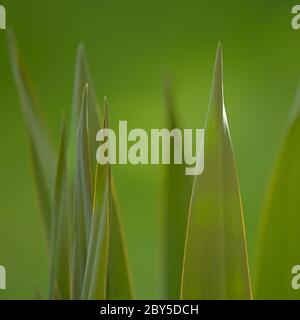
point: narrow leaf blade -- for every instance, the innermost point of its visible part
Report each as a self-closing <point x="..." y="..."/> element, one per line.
<point x="82" y="200"/>
<point x="83" y="78"/>
<point x="107" y="265"/>
<point x="95" y="279"/>
<point x="119" y="285"/>
<point x="60" y="249"/>
<point x="43" y="156"/>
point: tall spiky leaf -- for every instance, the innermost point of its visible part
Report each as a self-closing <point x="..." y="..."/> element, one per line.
<point x="118" y="284"/>
<point x="60" y="244"/>
<point x="215" y="262"/>
<point x="82" y="199"/>
<point x="83" y="77"/>
<point x="95" y="279"/>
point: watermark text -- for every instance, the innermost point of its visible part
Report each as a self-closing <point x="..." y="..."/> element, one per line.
<point x="2" y="278"/>
<point x="161" y="146"/>
<point x="2" y="18"/>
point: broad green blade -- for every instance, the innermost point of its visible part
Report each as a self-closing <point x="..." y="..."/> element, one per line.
<point x="60" y="249"/>
<point x="177" y="193"/>
<point x="215" y="262"/>
<point x="82" y="199"/>
<point x="119" y="282"/>
<point x="278" y="249"/>
<point x="83" y="77"/>
<point x="42" y="153"/>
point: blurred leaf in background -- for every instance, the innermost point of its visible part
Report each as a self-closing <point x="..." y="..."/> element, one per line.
<point x="60" y="260"/>
<point x="43" y="156"/>
<point x="279" y="238"/>
<point x="87" y="252"/>
<point x="176" y="198"/>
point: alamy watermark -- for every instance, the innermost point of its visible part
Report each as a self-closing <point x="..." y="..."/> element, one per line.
<point x="2" y="278"/>
<point x="295" y="283"/>
<point x="2" y="18"/>
<point x="296" y="17"/>
<point x="166" y="147"/>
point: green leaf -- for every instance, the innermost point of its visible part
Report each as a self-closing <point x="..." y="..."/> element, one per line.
<point x="95" y="279"/>
<point x="98" y="250"/>
<point x="107" y="262"/>
<point x="119" y="282"/>
<point x="82" y="199"/>
<point x="83" y="77"/>
<point x="215" y="261"/>
<point x="43" y="156"/>
<point x="82" y="147"/>
<point x="176" y="198"/>
<point x="277" y="250"/>
<point x="60" y="249"/>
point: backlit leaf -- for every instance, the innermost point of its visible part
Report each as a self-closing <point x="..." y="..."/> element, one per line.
<point x="215" y="261"/>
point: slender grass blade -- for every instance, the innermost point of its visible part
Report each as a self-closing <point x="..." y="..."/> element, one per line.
<point x="61" y="244"/>
<point x="43" y="155"/>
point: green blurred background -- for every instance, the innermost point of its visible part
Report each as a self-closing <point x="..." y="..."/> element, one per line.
<point x="130" y="45"/>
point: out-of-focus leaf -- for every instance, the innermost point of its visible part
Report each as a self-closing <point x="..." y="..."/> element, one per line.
<point x="82" y="200"/>
<point x="277" y="250"/>
<point x="60" y="250"/>
<point x="95" y="280"/>
<point x="42" y="153"/>
<point x="119" y="282"/>
<point x="82" y="149"/>
<point x="83" y="77"/>
<point x="215" y="261"/>
<point x="82" y="160"/>
<point x="177" y="193"/>
<point x="108" y="268"/>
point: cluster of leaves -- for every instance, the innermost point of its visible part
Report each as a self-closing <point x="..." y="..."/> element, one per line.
<point x="205" y="252"/>
<point x="81" y="216"/>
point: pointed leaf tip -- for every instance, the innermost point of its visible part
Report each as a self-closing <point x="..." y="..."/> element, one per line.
<point x="106" y="120"/>
<point x="217" y="95"/>
<point x="218" y="73"/>
<point x="215" y="264"/>
<point x="81" y="56"/>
